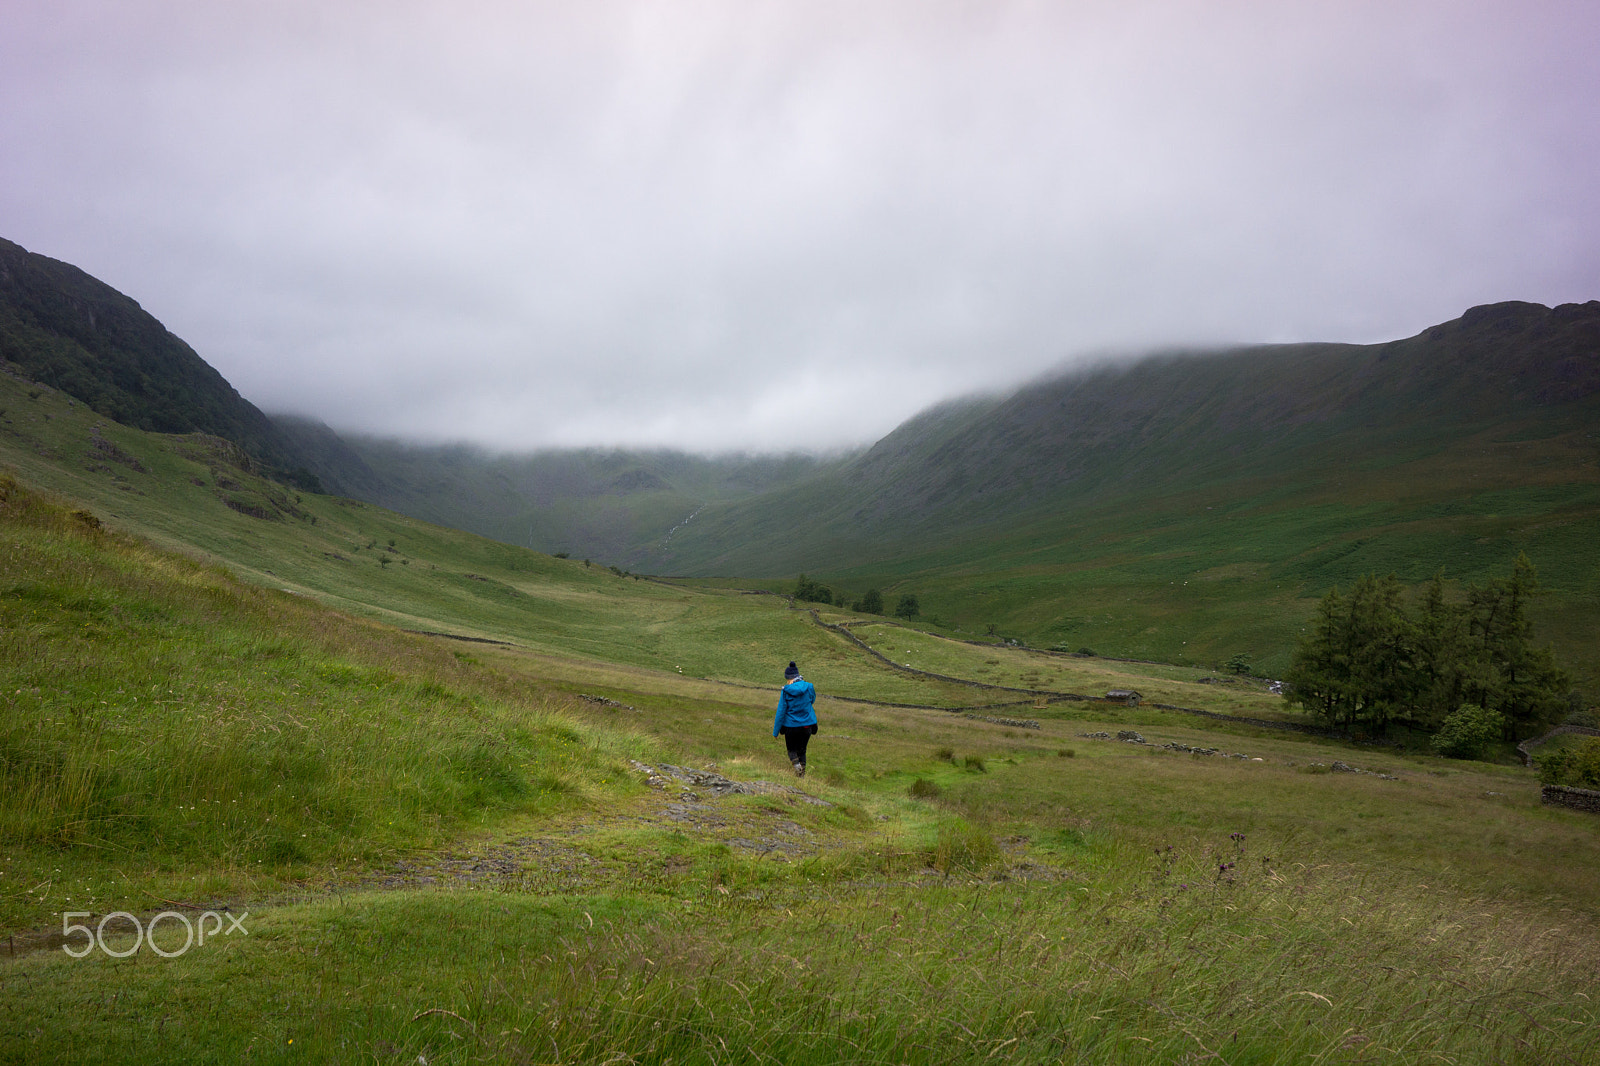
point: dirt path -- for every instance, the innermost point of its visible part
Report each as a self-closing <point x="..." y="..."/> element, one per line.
<point x="554" y="859"/>
<point x="682" y="799"/>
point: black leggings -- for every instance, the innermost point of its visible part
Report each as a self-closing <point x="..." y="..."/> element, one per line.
<point x="795" y="738"/>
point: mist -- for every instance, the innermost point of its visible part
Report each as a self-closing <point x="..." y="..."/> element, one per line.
<point x="719" y="226"/>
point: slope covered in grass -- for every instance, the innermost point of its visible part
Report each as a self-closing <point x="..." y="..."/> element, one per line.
<point x="1185" y="507"/>
<point x="1074" y="510"/>
<point x="482" y="875"/>
<point x="440" y="852"/>
<point x="78" y="334"/>
<point x="198" y="494"/>
<point x="1296" y="419"/>
<point x="163" y="720"/>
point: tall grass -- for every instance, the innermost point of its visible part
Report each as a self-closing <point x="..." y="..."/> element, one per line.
<point x="159" y="719"/>
<point x="1205" y="953"/>
<point x="154" y="707"/>
<point x="1209" y="953"/>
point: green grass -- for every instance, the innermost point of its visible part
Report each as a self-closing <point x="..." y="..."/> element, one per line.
<point x="417" y="576"/>
<point x="169" y="731"/>
<point x="1149" y="579"/>
<point x="161" y="717"/>
<point x="1156" y="957"/>
<point x="1197" y="570"/>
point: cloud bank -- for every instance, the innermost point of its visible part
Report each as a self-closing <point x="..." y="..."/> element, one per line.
<point x="724" y="224"/>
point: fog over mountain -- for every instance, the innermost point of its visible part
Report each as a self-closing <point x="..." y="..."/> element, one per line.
<point x="720" y="225"/>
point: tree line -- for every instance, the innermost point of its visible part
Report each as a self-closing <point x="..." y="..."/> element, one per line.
<point x="1461" y="671"/>
<point x="808" y="590"/>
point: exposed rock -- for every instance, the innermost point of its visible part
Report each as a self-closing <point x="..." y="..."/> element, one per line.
<point x="604" y="702"/>
<point x="1346" y="768"/>
<point x="718" y="785"/>
<point x="1175" y="746"/>
<point x="1020" y="723"/>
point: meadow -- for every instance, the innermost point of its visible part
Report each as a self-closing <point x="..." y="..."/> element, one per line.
<point x="478" y="850"/>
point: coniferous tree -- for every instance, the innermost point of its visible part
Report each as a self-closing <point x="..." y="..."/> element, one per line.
<point x="1440" y="657"/>
<point x="1367" y="662"/>
<point x="812" y="591"/>
<point x="871" y="603"/>
<point x="1379" y="642"/>
<point x="1509" y="674"/>
<point x="1317" y="678"/>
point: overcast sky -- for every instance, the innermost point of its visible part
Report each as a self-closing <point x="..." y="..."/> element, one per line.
<point x="768" y="224"/>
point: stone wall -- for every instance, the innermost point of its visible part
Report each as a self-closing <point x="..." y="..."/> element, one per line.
<point x="1579" y="799"/>
<point x="1525" y="749"/>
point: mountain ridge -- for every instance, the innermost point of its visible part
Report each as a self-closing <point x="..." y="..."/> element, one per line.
<point x="1176" y="420"/>
<point x="65" y="328"/>
<point x="1076" y="509"/>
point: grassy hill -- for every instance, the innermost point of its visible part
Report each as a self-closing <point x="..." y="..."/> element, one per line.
<point x="456" y="850"/>
<point x="66" y="329"/>
<point x="594" y="503"/>
<point x="1186" y="508"/>
<point x="1190" y="507"/>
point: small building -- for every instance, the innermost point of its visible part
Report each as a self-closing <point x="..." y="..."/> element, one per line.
<point x="1124" y="695"/>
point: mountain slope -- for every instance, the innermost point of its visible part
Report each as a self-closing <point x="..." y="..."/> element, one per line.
<point x="75" y="333"/>
<point x="1164" y="425"/>
<point x="608" y="505"/>
<point x="1185" y="507"/>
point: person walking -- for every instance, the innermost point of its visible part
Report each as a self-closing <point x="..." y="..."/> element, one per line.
<point x="796" y="721"/>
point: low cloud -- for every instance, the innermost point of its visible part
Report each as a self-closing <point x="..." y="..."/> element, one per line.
<point x="722" y="225"/>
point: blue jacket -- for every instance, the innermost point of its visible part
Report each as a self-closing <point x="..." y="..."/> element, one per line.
<point x="794" y="705"/>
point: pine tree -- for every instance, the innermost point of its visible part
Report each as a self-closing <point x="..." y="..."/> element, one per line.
<point x="1367" y="662"/>
<point x="1508" y="674"/>
<point x="871" y="603"/>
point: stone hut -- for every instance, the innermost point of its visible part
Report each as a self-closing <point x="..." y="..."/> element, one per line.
<point x="1124" y="695"/>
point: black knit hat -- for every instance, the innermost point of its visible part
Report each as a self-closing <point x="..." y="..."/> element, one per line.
<point x="791" y="670"/>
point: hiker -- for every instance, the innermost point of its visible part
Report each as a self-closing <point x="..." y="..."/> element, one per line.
<point x="796" y="721"/>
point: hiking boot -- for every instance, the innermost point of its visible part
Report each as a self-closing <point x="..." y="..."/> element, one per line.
<point x="799" y="769"/>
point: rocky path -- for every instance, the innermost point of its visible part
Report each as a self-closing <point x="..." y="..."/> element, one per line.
<point x="682" y="799"/>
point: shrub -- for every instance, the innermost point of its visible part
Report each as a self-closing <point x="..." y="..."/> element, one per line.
<point x="871" y="603"/>
<point x="1577" y="766"/>
<point x="922" y="788"/>
<point x="945" y="754"/>
<point x="811" y="591"/>
<point x="975" y="762"/>
<point x="1065" y="753"/>
<point x="1467" y="732"/>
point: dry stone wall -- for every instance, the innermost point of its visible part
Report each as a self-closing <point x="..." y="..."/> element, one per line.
<point x="1579" y="799"/>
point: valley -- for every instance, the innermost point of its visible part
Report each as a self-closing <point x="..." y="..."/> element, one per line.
<point x="290" y="776"/>
<point x="569" y="836"/>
